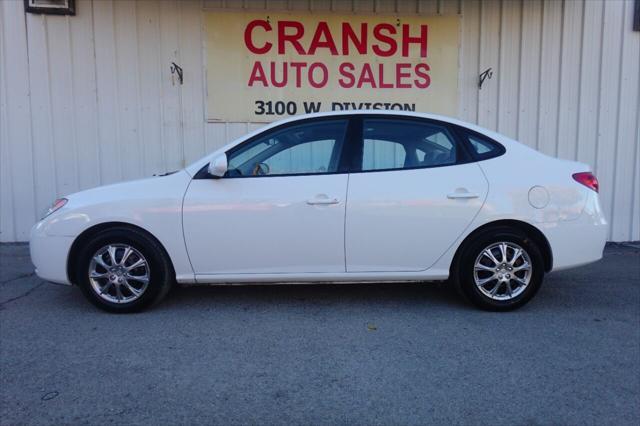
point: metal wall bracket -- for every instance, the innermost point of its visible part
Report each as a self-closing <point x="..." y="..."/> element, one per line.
<point x="486" y="74"/>
<point x="177" y="69"/>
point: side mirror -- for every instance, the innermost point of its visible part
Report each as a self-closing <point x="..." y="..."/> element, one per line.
<point x="218" y="166"/>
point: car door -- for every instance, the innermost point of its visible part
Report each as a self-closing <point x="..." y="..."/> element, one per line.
<point x="279" y="209"/>
<point x="413" y="192"/>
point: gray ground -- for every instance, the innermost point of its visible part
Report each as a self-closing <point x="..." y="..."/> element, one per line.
<point x="356" y="354"/>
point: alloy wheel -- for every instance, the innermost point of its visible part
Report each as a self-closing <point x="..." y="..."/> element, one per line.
<point x="119" y="273"/>
<point x="502" y="271"/>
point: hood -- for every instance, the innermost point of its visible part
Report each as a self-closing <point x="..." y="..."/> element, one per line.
<point x="169" y="185"/>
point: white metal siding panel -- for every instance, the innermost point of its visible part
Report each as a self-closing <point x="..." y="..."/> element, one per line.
<point x="85" y="115"/>
<point x="150" y="78"/>
<point x="62" y="106"/>
<point x="469" y="62"/>
<point x="7" y="225"/>
<point x="254" y="126"/>
<point x="508" y="70"/>
<point x="550" y="72"/>
<point x="45" y="169"/>
<point x="127" y="87"/>
<point x="340" y="6"/>
<point x="590" y="69"/>
<point x="489" y="58"/>
<point x="235" y="130"/>
<point x="292" y="5"/>
<point x="606" y="142"/>
<point x="90" y="99"/>
<point x="570" y="63"/>
<point x="530" y="64"/>
<point x="16" y="125"/>
<point x="192" y="93"/>
<point x="172" y="135"/>
<point x="107" y="92"/>
<point x="625" y="216"/>
<point x="635" y="197"/>
<point x="216" y="136"/>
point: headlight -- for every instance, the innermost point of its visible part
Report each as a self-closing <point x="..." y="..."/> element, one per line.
<point x="57" y="205"/>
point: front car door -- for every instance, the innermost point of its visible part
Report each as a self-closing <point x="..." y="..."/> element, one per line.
<point x="413" y="192"/>
<point x="278" y="210"/>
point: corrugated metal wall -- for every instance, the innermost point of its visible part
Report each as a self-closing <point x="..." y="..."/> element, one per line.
<point x="89" y="100"/>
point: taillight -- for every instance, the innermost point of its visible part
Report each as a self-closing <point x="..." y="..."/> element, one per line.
<point x="587" y="179"/>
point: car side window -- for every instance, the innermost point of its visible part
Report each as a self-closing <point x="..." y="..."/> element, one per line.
<point x="479" y="146"/>
<point x="390" y="144"/>
<point x="484" y="148"/>
<point x="308" y="148"/>
<point x="382" y="154"/>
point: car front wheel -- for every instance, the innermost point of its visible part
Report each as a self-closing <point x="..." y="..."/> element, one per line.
<point x="124" y="270"/>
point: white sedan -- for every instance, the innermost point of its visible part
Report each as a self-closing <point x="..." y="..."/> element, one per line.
<point x="365" y="196"/>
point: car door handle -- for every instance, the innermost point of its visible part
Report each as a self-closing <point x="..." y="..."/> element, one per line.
<point x="322" y="199"/>
<point x="463" y="194"/>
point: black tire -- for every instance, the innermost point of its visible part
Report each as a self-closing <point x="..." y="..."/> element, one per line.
<point x="463" y="273"/>
<point x="161" y="275"/>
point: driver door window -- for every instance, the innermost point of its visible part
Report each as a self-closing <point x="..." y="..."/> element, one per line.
<point x="312" y="148"/>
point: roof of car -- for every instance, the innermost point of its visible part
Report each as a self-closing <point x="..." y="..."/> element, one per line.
<point x="370" y="112"/>
<point x="430" y="116"/>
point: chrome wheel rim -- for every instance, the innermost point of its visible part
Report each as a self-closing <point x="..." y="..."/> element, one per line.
<point x="502" y="271"/>
<point x="119" y="273"/>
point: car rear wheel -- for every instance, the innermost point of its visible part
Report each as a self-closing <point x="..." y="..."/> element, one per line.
<point x="501" y="269"/>
<point x="124" y="270"/>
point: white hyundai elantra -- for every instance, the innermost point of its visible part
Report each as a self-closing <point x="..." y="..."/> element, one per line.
<point x="366" y="196"/>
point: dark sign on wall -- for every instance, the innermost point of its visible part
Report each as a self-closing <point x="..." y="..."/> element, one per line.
<point x="50" y="7"/>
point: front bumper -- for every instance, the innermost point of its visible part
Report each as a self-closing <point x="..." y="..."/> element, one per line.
<point x="49" y="254"/>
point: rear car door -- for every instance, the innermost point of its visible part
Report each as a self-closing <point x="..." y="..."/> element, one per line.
<point x="412" y="192"/>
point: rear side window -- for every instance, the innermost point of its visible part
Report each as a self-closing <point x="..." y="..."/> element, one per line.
<point x="483" y="148"/>
<point x="390" y="144"/>
<point x="383" y="154"/>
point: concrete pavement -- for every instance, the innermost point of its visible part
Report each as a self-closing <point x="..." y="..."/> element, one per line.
<point x="330" y="354"/>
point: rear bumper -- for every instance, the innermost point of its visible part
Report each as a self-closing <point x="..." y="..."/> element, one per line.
<point x="578" y="242"/>
<point x="49" y="255"/>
